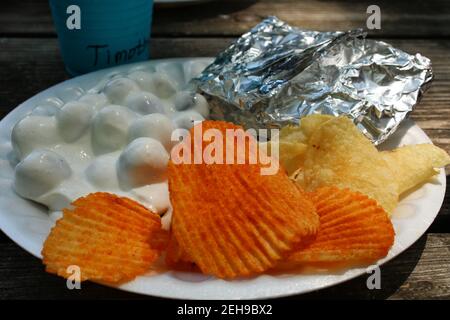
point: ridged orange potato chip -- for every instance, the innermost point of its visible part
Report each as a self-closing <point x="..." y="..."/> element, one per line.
<point x="231" y="220"/>
<point x="177" y="258"/>
<point x="354" y="230"/>
<point x="111" y="239"/>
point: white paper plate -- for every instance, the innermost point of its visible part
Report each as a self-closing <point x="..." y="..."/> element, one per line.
<point x="28" y="224"/>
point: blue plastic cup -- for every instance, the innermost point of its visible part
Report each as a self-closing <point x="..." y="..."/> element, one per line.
<point x="96" y="34"/>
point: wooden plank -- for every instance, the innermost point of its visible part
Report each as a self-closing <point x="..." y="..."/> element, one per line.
<point x="22" y="276"/>
<point x="421" y="272"/>
<point x="4" y="238"/>
<point x="414" y="18"/>
<point x="442" y="222"/>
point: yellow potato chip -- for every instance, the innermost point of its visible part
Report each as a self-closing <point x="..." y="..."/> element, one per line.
<point x="291" y="155"/>
<point x="292" y="133"/>
<point x="339" y="155"/>
<point x="415" y="164"/>
<point x="311" y="123"/>
<point x="306" y="127"/>
<point x="293" y="141"/>
<point x="291" y="148"/>
<point x="109" y="238"/>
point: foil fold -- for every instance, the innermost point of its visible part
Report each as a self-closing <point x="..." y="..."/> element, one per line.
<point x="276" y="74"/>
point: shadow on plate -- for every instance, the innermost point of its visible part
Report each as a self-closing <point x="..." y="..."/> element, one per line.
<point x="393" y="276"/>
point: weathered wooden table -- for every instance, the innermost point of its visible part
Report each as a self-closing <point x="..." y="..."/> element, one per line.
<point x="30" y="62"/>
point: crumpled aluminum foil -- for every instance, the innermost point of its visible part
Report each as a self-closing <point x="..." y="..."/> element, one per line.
<point x="275" y="74"/>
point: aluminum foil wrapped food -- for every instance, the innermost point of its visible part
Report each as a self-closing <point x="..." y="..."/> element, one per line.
<point x="275" y="74"/>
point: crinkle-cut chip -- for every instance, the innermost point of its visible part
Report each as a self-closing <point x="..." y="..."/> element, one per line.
<point x="111" y="239"/>
<point x="415" y="164"/>
<point x="231" y="220"/>
<point x="354" y="230"/>
<point x="177" y="258"/>
<point x="340" y="155"/>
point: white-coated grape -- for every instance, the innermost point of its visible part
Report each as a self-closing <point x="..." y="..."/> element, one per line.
<point x="102" y="172"/>
<point x="163" y="87"/>
<point x="55" y="215"/>
<point x="70" y="93"/>
<point x="172" y="71"/>
<point x="114" y="137"/>
<point x="155" y="196"/>
<point x="63" y="195"/>
<point x="184" y="100"/>
<point x="52" y="101"/>
<point x="73" y="120"/>
<point x="144" y="161"/>
<point x="58" y="199"/>
<point x="95" y="100"/>
<point x="144" y="103"/>
<point x="192" y="69"/>
<point x="166" y="219"/>
<point x="187" y="119"/>
<point x="33" y="132"/>
<point x="45" y="110"/>
<point x="201" y="105"/>
<point x="118" y="89"/>
<point x="156" y="126"/>
<point x="110" y="128"/>
<point x="40" y="172"/>
<point x="143" y="79"/>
